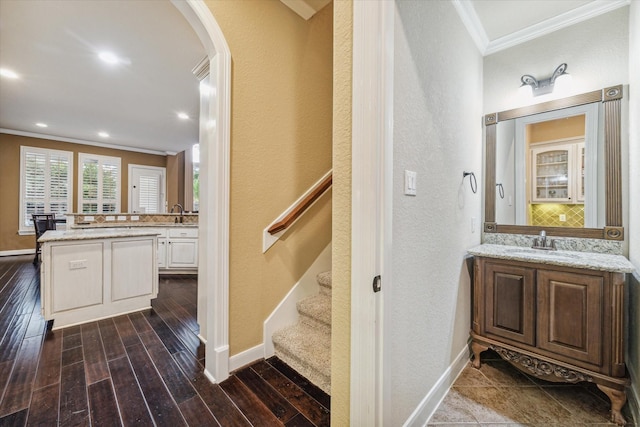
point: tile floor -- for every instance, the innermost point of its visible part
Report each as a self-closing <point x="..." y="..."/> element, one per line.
<point x="499" y="395"/>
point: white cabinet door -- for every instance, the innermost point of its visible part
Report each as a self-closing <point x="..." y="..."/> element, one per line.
<point x="132" y="282"/>
<point x="553" y="178"/>
<point x="183" y="253"/>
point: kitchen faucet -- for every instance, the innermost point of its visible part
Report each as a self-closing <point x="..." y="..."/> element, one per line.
<point x="181" y="212"/>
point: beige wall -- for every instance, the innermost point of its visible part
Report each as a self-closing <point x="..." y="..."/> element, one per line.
<point x="281" y="104"/>
<point x="341" y="243"/>
<point x="10" y="180"/>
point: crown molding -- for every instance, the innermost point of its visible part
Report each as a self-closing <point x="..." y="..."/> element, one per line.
<point x="476" y="30"/>
<point x="81" y="141"/>
<point x="472" y="23"/>
<point x="572" y="17"/>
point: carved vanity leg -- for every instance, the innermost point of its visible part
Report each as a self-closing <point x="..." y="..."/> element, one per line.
<point x="618" y="398"/>
<point x="477" y="348"/>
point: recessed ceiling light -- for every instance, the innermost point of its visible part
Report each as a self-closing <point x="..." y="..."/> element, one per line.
<point x="42" y="125"/>
<point x="103" y="134"/>
<point x="5" y="72"/>
<point x="109" y="58"/>
<point x="183" y="116"/>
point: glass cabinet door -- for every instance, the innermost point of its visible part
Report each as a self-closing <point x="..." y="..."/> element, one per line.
<point x="552" y="174"/>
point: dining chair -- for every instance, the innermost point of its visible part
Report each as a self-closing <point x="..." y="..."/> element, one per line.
<point x="42" y="223"/>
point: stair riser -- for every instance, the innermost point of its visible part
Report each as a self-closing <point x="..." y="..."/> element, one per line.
<point x="315" y="323"/>
<point x="309" y="372"/>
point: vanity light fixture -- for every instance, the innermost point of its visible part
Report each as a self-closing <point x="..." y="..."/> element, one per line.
<point x="542" y="87"/>
<point x="109" y="58"/>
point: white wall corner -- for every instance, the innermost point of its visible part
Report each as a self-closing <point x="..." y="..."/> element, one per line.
<point x="286" y="313"/>
<point x="434" y="397"/>
<point x="472" y="23"/>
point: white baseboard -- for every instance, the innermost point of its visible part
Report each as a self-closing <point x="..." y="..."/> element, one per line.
<point x="432" y="400"/>
<point x="18" y="252"/>
<point x="246" y="357"/>
<point x="286" y="312"/>
<point x="220" y="357"/>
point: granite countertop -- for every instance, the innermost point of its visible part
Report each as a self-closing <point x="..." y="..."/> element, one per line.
<point x="103" y="233"/>
<point x="131" y="225"/>
<point x="588" y="260"/>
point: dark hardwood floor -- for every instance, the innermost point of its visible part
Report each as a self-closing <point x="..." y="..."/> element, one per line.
<point x="144" y="368"/>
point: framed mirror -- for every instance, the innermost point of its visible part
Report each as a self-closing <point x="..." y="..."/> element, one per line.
<point x="556" y="166"/>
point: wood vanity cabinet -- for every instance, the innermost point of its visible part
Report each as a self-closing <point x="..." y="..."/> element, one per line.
<point x="557" y="323"/>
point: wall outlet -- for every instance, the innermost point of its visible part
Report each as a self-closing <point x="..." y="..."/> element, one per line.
<point x="135" y="218"/>
<point x="122" y="217"/>
<point x="89" y="218"/>
<point x="78" y="264"/>
<point x="473" y="224"/>
<point x="110" y="218"/>
<point x="563" y="218"/>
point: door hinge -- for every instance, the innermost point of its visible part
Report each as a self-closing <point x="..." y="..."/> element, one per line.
<point x="377" y="284"/>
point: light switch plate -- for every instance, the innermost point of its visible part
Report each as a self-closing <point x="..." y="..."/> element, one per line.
<point x="410" y="178"/>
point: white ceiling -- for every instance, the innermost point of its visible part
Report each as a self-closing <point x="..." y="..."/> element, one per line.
<point x="53" y="46"/>
<point x="495" y="25"/>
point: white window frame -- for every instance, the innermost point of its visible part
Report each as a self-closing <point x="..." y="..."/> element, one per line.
<point x="27" y="229"/>
<point x="82" y="157"/>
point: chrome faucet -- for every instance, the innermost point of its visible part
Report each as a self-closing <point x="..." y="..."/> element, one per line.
<point x="540" y="242"/>
<point x="181" y="212"/>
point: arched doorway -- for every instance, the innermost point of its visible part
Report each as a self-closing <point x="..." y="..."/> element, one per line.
<point x="213" y="270"/>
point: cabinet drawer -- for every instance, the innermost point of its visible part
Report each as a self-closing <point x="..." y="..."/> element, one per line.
<point x="162" y="232"/>
<point x="183" y="232"/>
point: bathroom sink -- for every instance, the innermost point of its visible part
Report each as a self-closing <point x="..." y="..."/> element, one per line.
<point x="541" y="253"/>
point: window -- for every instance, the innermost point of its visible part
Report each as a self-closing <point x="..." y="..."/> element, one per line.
<point x="46" y="184"/>
<point x="98" y="184"/>
<point x="196" y="177"/>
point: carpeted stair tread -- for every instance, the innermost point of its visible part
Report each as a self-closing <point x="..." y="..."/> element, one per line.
<point x="316" y="311"/>
<point x="324" y="280"/>
<point x="307" y="350"/>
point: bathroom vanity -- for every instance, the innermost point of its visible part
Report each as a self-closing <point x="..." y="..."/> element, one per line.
<point x="556" y="315"/>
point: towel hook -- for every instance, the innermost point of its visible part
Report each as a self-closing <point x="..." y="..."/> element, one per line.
<point x="500" y="190"/>
<point x="472" y="180"/>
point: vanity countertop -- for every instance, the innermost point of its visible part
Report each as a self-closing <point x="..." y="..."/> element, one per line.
<point x="588" y="260"/>
<point x="103" y="233"/>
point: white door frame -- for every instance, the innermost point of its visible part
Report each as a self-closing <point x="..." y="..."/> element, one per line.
<point x="163" y="184"/>
<point x="213" y="234"/>
<point x="372" y="182"/>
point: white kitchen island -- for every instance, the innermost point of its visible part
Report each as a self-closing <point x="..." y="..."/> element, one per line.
<point x="88" y="275"/>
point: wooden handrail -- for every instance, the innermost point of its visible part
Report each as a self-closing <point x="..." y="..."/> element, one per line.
<point x="301" y="207"/>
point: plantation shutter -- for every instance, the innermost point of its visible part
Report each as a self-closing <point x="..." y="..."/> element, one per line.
<point x="100" y="182"/>
<point x="149" y="193"/>
<point x="46" y="185"/>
